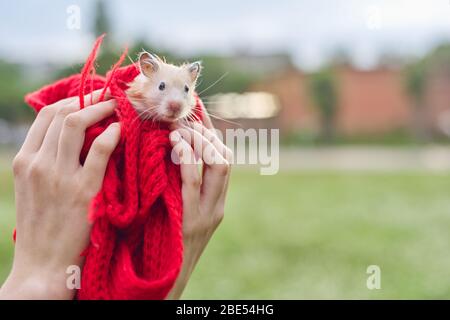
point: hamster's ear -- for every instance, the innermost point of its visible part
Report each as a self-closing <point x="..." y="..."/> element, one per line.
<point x="194" y="70"/>
<point x="148" y="64"/>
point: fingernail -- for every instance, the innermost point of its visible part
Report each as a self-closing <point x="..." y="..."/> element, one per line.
<point x="175" y="136"/>
<point x="115" y="125"/>
<point x="199" y="126"/>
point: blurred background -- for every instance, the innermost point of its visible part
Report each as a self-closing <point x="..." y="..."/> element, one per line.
<point x="360" y="91"/>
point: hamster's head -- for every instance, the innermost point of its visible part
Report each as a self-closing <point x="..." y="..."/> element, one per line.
<point x="163" y="91"/>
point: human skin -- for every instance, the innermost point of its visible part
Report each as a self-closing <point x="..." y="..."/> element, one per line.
<point x="53" y="192"/>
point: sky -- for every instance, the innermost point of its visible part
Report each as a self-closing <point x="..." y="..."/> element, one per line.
<point x="310" y="30"/>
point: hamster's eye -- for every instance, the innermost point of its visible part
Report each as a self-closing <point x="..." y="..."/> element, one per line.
<point x="162" y="86"/>
<point x="186" y="88"/>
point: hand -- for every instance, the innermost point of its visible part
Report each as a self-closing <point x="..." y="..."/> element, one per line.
<point x="52" y="194"/>
<point x="203" y="194"/>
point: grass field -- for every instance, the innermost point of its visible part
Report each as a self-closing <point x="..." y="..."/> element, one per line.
<point x="312" y="235"/>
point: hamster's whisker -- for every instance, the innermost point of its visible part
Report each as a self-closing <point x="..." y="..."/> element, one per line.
<point x="190" y="117"/>
<point x="199" y="82"/>
<point x="143" y="115"/>
<point x="124" y="99"/>
<point x="131" y="60"/>
<point x="208" y="98"/>
<point x="222" y="119"/>
<point x="212" y="101"/>
<point x="214" y="83"/>
<point x="185" y="123"/>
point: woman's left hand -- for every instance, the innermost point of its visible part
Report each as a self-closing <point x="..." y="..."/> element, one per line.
<point x="52" y="193"/>
<point x="203" y="193"/>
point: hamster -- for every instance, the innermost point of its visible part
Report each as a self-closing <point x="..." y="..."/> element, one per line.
<point x="163" y="91"/>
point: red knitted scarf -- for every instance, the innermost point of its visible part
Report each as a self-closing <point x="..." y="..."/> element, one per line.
<point x="136" y="243"/>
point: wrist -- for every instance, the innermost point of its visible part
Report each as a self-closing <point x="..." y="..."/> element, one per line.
<point x="190" y="258"/>
<point x="35" y="285"/>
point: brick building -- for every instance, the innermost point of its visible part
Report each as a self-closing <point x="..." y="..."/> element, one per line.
<point x="369" y="102"/>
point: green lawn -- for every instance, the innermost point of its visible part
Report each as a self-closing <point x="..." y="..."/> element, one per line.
<point x="312" y="235"/>
<point x="6" y="214"/>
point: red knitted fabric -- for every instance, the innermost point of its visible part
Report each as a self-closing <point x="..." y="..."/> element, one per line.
<point x="136" y="246"/>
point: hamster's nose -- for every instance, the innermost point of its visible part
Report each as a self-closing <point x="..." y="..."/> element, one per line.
<point x="174" y="107"/>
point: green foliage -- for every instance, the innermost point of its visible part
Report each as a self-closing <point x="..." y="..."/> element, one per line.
<point x="439" y="59"/>
<point x="418" y="72"/>
<point x="396" y="138"/>
<point x="417" y="77"/>
<point x="101" y="23"/>
<point x="416" y="80"/>
<point x="219" y="75"/>
<point x="13" y="88"/>
<point x="324" y="94"/>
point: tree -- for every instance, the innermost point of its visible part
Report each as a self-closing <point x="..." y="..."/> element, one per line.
<point x="324" y="94"/>
<point x="108" y="55"/>
<point x="439" y="60"/>
<point x="101" y="23"/>
<point x="13" y="88"/>
<point x="416" y="83"/>
<point x="219" y="75"/>
<point x="417" y="77"/>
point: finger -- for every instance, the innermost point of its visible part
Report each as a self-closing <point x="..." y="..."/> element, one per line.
<point x="215" y="181"/>
<point x="212" y="137"/>
<point x="94" y="97"/>
<point x="72" y="136"/>
<point x="216" y="167"/>
<point x="89" y="99"/>
<point x="58" y="111"/>
<point x="225" y="187"/>
<point x="183" y="154"/>
<point x="178" y="124"/>
<point x="49" y="146"/>
<point x="202" y="147"/>
<point x="38" y="129"/>
<point x="206" y="118"/>
<point x="98" y="156"/>
<point x="222" y="148"/>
